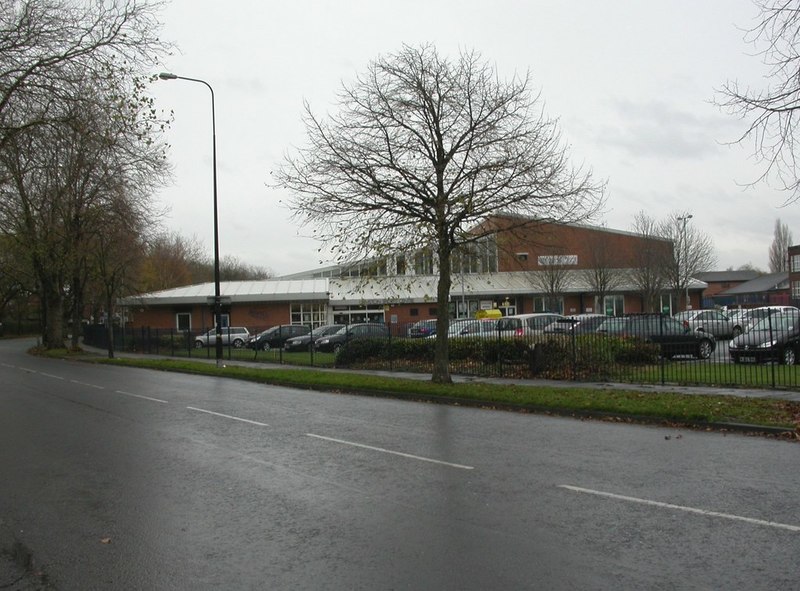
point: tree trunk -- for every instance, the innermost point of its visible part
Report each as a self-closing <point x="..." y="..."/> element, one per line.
<point x="110" y="327"/>
<point x="441" y="358"/>
<point x="53" y="334"/>
<point x="77" y="312"/>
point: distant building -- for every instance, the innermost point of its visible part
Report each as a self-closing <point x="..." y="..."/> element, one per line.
<point x="771" y="289"/>
<point x="547" y="267"/>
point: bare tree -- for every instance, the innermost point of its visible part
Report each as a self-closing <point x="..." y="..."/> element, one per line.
<point x="650" y="275"/>
<point x="600" y="275"/>
<point x="422" y="150"/>
<point x="779" y="249"/>
<point x="48" y="47"/>
<point x="694" y="251"/>
<point x="771" y="112"/>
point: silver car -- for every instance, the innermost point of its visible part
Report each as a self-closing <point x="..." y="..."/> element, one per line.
<point x="236" y="336"/>
<point x="709" y="321"/>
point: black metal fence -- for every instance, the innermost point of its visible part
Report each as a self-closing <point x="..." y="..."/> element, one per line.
<point x="589" y="357"/>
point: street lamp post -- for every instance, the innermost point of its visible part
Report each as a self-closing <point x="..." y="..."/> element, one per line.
<point x="217" y="299"/>
<point x="685" y="219"/>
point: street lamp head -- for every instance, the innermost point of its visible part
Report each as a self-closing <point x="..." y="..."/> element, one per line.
<point x="167" y="76"/>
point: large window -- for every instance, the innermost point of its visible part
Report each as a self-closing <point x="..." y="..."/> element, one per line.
<point x="309" y="313"/>
<point x="795" y="263"/>
<point x="548" y="304"/>
<point x="356" y="314"/>
<point x="614" y="305"/>
<point x="476" y="257"/>
<point x="796" y="290"/>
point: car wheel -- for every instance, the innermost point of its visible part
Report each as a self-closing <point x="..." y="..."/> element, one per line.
<point x="737" y="330"/>
<point x="337" y="347"/>
<point x="198" y="344"/>
<point x="789" y="357"/>
<point x="237" y="343"/>
<point x="265" y="347"/>
<point x="704" y="349"/>
<point x="736" y="359"/>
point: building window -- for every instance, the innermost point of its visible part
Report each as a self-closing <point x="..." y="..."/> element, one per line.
<point x="310" y="314"/>
<point x="183" y="320"/>
<point x="795" y="263"/>
<point x="423" y="263"/>
<point x="356" y="314"/>
<point x="614" y="305"/>
<point x="796" y="290"/>
<point x="553" y="304"/>
<point x="414" y="312"/>
<point x="476" y="257"/>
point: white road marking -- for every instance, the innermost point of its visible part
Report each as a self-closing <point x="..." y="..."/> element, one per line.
<point x="49" y="375"/>
<point x="141" y="396"/>
<point x="87" y="385"/>
<point x="388" y="451"/>
<point x="219" y="414"/>
<point x="7" y="365"/>
<point x="793" y="528"/>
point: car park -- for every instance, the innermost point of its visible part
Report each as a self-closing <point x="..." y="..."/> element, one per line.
<point x="276" y="336"/>
<point x="332" y="343"/>
<point x="576" y="324"/>
<point x="672" y="337"/>
<point x="710" y="321"/>
<point x="776" y="337"/>
<point x="235" y="336"/>
<point x="422" y="328"/>
<point x="519" y="325"/>
<point x="306" y="342"/>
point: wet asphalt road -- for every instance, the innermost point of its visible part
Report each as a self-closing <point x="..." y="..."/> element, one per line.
<point x="119" y="478"/>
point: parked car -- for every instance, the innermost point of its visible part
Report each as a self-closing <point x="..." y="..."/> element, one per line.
<point x="332" y="343"/>
<point x="306" y="342"/>
<point x="744" y="319"/>
<point x="710" y="321"/>
<point x="484" y="327"/>
<point x="236" y="336"/>
<point x="672" y="337"/>
<point x="775" y="337"/>
<point x="519" y="325"/>
<point x="576" y="324"/>
<point x="276" y="336"/>
<point x="422" y="328"/>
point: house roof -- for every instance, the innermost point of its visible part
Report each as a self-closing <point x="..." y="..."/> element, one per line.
<point x="727" y="276"/>
<point x="764" y="283"/>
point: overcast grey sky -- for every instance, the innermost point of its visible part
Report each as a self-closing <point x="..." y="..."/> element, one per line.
<point x="631" y="82"/>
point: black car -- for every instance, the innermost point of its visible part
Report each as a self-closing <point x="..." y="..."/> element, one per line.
<point x="366" y="330"/>
<point x="306" y="342"/>
<point x="422" y="328"/>
<point x="275" y="337"/>
<point x="672" y="337"/>
<point x="774" y="338"/>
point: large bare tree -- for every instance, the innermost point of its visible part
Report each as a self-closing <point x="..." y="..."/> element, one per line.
<point x="649" y="273"/>
<point x="771" y="112"/>
<point x="49" y="47"/>
<point x="694" y="251"/>
<point x="422" y="150"/>
<point x="779" y="249"/>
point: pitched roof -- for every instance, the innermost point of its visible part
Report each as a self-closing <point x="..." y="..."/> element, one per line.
<point x="770" y="282"/>
<point x="727" y="276"/>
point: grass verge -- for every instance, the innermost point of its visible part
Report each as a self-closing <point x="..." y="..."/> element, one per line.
<point x="712" y="411"/>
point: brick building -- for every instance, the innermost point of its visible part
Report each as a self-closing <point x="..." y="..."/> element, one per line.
<point x="540" y="267"/>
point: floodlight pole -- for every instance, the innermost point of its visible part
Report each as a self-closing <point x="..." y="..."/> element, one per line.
<point x="217" y="299"/>
<point x="685" y="219"/>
